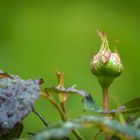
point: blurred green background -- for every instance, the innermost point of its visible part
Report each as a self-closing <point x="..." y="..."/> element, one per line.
<point x="39" y="37"/>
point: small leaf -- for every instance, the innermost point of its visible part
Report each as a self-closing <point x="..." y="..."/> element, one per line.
<point x="115" y="138"/>
<point x="132" y="106"/>
<point x="89" y="104"/>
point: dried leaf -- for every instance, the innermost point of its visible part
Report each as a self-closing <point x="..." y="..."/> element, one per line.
<point x="5" y="75"/>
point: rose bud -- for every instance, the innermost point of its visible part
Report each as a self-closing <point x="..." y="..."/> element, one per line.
<point x="106" y="65"/>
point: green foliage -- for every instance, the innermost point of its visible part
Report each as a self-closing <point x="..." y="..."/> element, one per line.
<point x="132" y="106"/>
<point x="108" y="123"/>
<point x="90" y="104"/>
<point x="62" y="130"/>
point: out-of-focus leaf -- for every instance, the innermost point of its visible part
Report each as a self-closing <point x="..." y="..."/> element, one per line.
<point x="90" y="104"/>
<point x="13" y="133"/>
<point x="132" y="110"/>
<point x="115" y="111"/>
<point x="137" y="123"/>
<point x="132" y="106"/>
<point x="62" y="130"/>
<point x="114" y="127"/>
<point x="17" y="97"/>
<point x="115" y="138"/>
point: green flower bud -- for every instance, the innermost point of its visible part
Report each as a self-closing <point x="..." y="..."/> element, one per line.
<point x="105" y="64"/>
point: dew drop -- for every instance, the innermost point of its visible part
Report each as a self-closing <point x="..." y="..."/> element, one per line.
<point x="5" y="124"/>
<point x="10" y="114"/>
<point x="8" y="94"/>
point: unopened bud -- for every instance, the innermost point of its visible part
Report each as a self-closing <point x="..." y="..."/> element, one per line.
<point x="106" y="65"/>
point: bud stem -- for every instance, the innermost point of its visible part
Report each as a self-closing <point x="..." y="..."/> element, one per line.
<point x="105" y="104"/>
<point x="105" y="99"/>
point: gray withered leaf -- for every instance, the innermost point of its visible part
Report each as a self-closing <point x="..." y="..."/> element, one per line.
<point x="17" y="97"/>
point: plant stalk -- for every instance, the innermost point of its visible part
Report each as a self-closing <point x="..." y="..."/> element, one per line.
<point x="74" y="131"/>
<point x="41" y="117"/>
<point x="97" y="134"/>
<point x="64" y="116"/>
<point x="105" y="99"/>
<point x="63" y="107"/>
<point x="105" y="105"/>
<point x="77" y="134"/>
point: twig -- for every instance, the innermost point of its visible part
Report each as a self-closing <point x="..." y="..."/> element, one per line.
<point x="41" y="117"/>
<point x="97" y="134"/>
<point x="52" y="101"/>
<point x="62" y="114"/>
<point x="64" y="108"/>
<point x="74" y="131"/>
<point x="77" y="134"/>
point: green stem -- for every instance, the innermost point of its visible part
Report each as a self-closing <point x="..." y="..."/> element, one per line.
<point x="41" y="117"/>
<point x="77" y="134"/>
<point x="74" y="131"/>
<point x="105" y="104"/>
<point x="64" y="108"/>
<point x="97" y="134"/>
<point x="64" y="116"/>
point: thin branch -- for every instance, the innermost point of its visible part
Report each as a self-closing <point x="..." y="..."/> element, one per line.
<point x="53" y="102"/>
<point x="77" y="134"/>
<point x="74" y="131"/>
<point x="64" y="108"/>
<point x="41" y="117"/>
<point x="96" y="135"/>
<point x="62" y="114"/>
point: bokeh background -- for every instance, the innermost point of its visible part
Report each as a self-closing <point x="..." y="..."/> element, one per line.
<point x="37" y="38"/>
